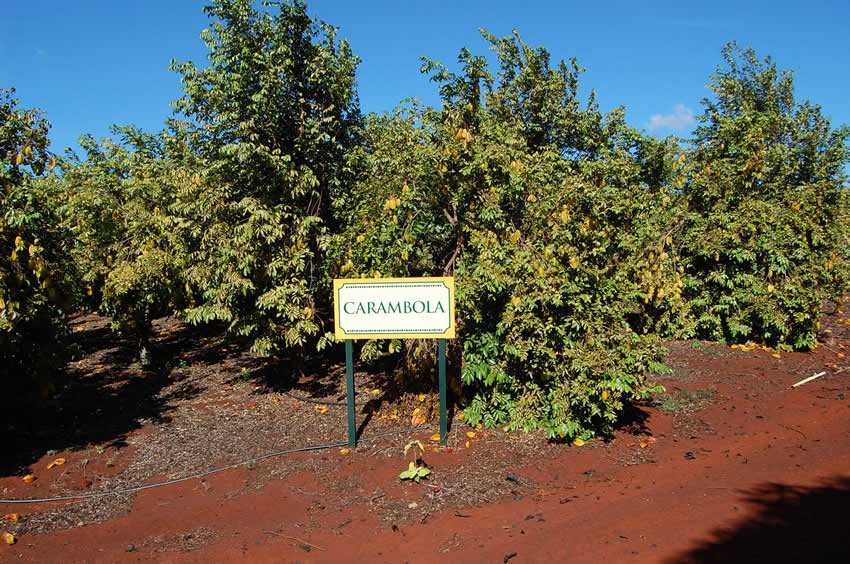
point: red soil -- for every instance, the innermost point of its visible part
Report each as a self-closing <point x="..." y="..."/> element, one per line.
<point x="759" y="472"/>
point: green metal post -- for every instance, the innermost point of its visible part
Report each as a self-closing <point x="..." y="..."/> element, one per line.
<point x="349" y="379"/>
<point x="441" y="355"/>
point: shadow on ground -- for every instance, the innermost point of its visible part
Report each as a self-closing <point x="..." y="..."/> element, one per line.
<point x="107" y="395"/>
<point x="785" y="524"/>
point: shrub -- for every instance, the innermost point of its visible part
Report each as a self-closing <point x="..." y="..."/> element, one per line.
<point x="34" y="268"/>
<point x="537" y="206"/>
<point x="766" y="238"/>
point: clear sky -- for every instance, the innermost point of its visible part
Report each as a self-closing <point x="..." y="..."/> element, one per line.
<point x="92" y="63"/>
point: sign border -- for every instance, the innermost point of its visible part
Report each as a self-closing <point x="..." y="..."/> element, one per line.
<point x="342" y="335"/>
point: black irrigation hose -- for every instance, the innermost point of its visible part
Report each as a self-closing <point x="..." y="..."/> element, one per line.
<point x="323" y="402"/>
<point x="252" y="460"/>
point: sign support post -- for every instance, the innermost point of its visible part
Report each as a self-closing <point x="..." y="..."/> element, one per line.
<point x="394" y="308"/>
<point x="349" y="384"/>
<point x="441" y="355"/>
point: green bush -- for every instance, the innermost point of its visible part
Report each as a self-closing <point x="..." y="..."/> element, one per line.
<point x="765" y="244"/>
<point x="273" y="116"/>
<point x="539" y="207"/>
<point x="34" y="268"/>
<point x="129" y="245"/>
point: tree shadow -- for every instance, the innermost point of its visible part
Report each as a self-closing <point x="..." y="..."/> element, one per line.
<point x="107" y="395"/>
<point x="634" y="419"/>
<point x="321" y="379"/>
<point x="786" y="524"/>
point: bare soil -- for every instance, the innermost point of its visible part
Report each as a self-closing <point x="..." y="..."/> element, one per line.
<point x="216" y="456"/>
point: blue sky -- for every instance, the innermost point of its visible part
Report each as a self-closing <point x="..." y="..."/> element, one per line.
<point x="92" y="63"/>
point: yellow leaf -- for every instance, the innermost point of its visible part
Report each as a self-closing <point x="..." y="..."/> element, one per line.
<point x="776" y="355"/>
<point x="14" y="517"/>
<point x="470" y="434"/>
<point x="29" y="478"/>
<point x="345" y="450"/>
<point x="19" y="159"/>
<point x="8" y="538"/>
<point x="435" y="437"/>
<point x="467" y="444"/>
<point x="578" y="442"/>
<point x="604" y="395"/>
<point x="321" y="409"/>
<point x="417" y="419"/>
<point x="376" y="392"/>
<point x="57" y="462"/>
<point x="421" y="397"/>
<point x="463" y="134"/>
<point x="461" y="417"/>
<point x="52" y="164"/>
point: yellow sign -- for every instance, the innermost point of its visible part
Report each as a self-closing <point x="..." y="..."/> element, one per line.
<point x="394" y="308"/>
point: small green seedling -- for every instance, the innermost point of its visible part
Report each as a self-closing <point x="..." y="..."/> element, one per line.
<point x="417" y="470"/>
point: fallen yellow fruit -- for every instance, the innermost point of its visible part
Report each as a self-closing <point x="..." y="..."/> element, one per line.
<point x="57" y="462"/>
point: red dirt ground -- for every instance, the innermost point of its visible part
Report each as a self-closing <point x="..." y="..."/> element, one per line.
<point x="742" y="468"/>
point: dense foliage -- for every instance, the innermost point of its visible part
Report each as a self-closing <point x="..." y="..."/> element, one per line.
<point x="765" y="242"/>
<point x="273" y="115"/>
<point x="34" y="268"/>
<point x="130" y="247"/>
<point x="576" y="241"/>
<point x="538" y="205"/>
